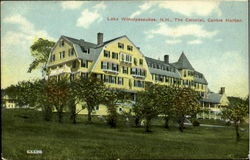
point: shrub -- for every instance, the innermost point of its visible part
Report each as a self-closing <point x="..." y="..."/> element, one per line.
<point x="196" y="123"/>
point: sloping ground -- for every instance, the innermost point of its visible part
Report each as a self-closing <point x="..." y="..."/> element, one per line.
<point x="24" y="130"/>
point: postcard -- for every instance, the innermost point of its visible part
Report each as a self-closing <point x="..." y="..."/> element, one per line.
<point x="124" y="80"/>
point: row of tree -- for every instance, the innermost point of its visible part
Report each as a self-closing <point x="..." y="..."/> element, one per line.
<point x="156" y="100"/>
<point x="59" y="96"/>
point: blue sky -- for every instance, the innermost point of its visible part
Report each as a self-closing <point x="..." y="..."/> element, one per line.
<point x="217" y="49"/>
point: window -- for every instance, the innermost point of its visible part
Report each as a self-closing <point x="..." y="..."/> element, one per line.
<point x="114" y="55"/>
<point x="62" y="54"/>
<point x="121" y="45"/>
<point x="141" y="61"/>
<point x="70" y="52"/>
<point x="135" y="61"/>
<point x="61" y="44"/>
<point x="53" y="58"/>
<point x="130" y="48"/>
<point x="125" y="70"/>
<point x="115" y="67"/>
<point x="106" y="53"/>
<point x="120" y="80"/>
<point x="166" y="79"/>
<point x="84" y="63"/>
<point x="138" y="83"/>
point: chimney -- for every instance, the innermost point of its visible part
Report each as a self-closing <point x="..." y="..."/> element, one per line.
<point x="99" y="38"/>
<point x="166" y="58"/>
<point x="222" y="90"/>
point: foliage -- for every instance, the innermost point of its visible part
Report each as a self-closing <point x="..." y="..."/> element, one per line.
<point x="164" y="100"/>
<point x="90" y="90"/>
<point x="186" y="103"/>
<point x="236" y="112"/>
<point x="40" y="50"/>
<point x="112" y="98"/>
<point x="58" y="95"/>
<point x="146" y="105"/>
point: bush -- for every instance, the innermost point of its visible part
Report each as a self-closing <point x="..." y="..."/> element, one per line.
<point x="196" y="123"/>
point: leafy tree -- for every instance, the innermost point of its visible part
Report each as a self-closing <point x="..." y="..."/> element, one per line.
<point x="146" y="105"/>
<point x="40" y="50"/>
<point x="58" y="94"/>
<point x="236" y="112"/>
<point x="90" y="90"/>
<point x="74" y="100"/>
<point x="185" y="103"/>
<point x="111" y="99"/>
<point x="164" y="100"/>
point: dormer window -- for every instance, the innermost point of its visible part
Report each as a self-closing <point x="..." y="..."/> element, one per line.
<point x="85" y="50"/>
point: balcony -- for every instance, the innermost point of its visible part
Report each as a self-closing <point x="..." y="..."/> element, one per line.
<point x="57" y="71"/>
<point x="138" y="76"/>
<point x="110" y="71"/>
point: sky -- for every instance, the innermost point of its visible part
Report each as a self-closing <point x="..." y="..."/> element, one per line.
<point x="219" y="50"/>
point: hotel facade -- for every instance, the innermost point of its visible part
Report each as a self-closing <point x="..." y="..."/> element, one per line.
<point x="120" y="64"/>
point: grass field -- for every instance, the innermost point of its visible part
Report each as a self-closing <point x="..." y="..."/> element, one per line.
<point x="25" y="130"/>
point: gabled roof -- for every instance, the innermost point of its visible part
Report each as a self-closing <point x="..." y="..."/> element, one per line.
<point x="183" y="63"/>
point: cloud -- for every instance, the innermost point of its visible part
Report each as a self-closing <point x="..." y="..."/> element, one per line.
<point x="71" y="4"/>
<point x="26" y="28"/>
<point x="182" y="30"/>
<point x="15" y="49"/>
<point x="173" y="41"/>
<point x="197" y="41"/>
<point x="142" y="8"/>
<point x="89" y="16"/>
<point x="100" y="6"/>
<point x="186" y="8"/>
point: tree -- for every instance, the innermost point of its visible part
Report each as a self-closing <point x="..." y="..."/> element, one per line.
<point x="58" y="95"/>
<point x="146" y="105"/>
<point x="111" y="99"/>
<point x="236" y="112"/>
<point x="90" y="90"/>
<point x="40" y="50"/>
<point x="186" y="102"/>
<point x="164" y="100"/>
<point x="74" y="100"/>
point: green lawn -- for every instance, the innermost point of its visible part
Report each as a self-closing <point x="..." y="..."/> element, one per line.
<point x="25" y="130"/>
